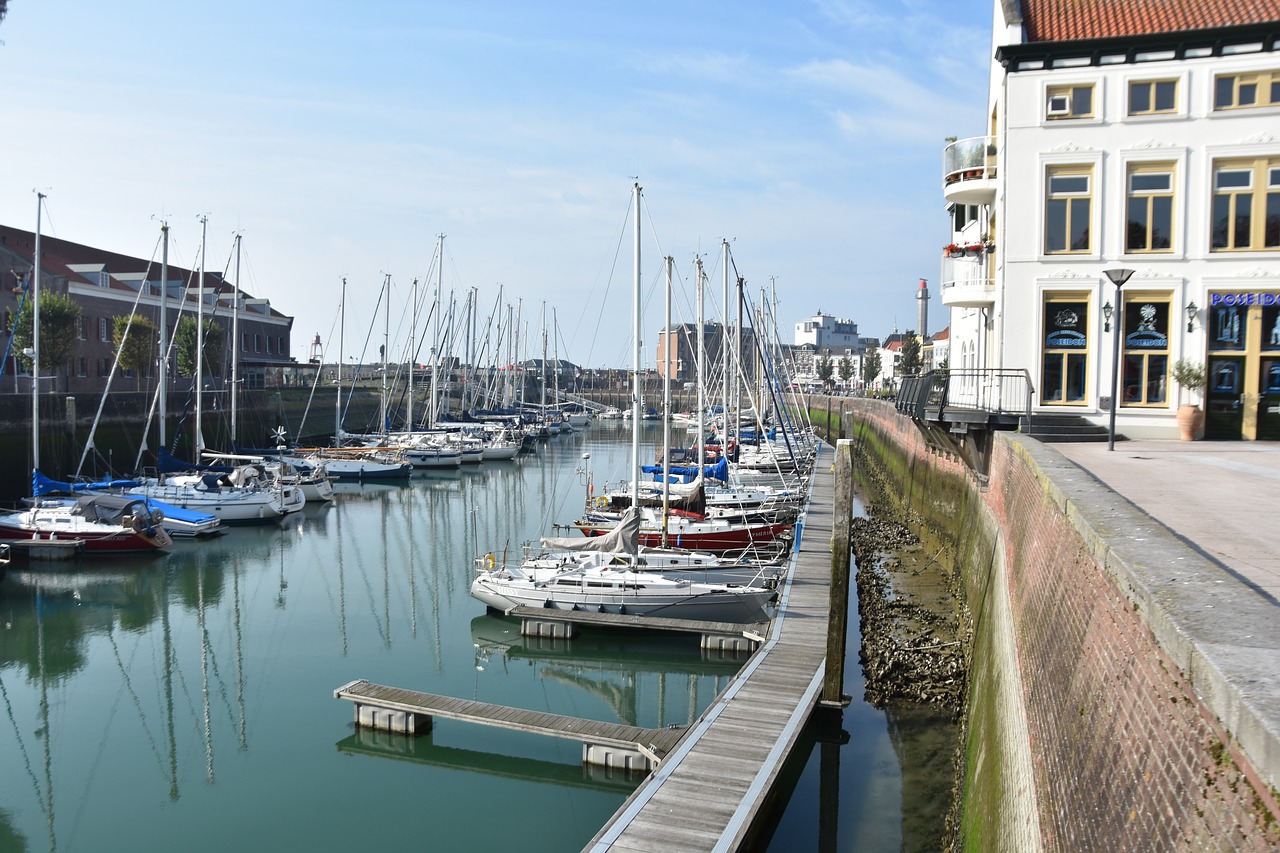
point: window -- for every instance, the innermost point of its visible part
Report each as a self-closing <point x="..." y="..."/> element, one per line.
<point x="244" y="342"/>
<point x="104" y="333"/>
<point x="1150" y="208"/>
<point x="1064" y="367"/>
<point x="82" y="367"/>
<point x="271" y="345"/>
<point x="962" y="215"/>
<point x="1153" y="97"/>
<point x="257" y="343"/>
<point x="1067" y="102"/>
<point x="1068" y="207"/>
<point x="1245" y="91"/>
<point x="1246" y="205"/>
<point x="1145" y="373"/>
<point x="80" y="330"/>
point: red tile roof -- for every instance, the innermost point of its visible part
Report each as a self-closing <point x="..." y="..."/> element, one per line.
<point x="1064" y="20"/>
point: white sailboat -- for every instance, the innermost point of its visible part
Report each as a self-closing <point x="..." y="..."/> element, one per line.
<point x="101" y="524"/>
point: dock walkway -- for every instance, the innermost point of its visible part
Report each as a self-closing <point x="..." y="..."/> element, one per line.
<point x="706" y="794"/>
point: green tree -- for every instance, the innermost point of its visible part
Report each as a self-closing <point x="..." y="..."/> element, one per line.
<point x="59" y="320"/>
<point x="139" y="349"/>
<point x="185" y="339"/>
<point x="845" y="369"/>
<point x="909" y="363"/>
<point x="871" y="364"/>
<point x="824" y="369"/>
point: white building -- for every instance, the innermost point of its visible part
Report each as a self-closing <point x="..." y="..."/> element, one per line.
<point x="824" y="335"/>
<point x="1122" y="142"/>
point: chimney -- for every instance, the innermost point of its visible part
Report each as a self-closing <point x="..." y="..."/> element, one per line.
<point x="922" y="297"/>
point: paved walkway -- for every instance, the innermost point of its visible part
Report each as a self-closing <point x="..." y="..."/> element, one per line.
<point x="1222" y="497"/>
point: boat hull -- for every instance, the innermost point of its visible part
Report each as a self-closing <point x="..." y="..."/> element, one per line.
<point x="743" y="606"/>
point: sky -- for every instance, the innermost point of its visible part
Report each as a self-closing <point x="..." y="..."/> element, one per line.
<point x="340" y="139"/>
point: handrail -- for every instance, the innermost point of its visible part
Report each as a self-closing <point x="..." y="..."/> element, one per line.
<point x="996" y="391"/>
<point x="970" y="158"/>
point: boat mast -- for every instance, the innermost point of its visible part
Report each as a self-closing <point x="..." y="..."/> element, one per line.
<point x="435" y="340"/>
<point x="635" y="358"/>
<point x="235" y="349"/>
<point x="725" y="350"/>
<point x="164" y="331"/>
<point x="342" y="324"/>
<point x="386" y="345"/>
<point x="700" y="278"/>
<point x="413" y="354"/>
<point x="199" y="435"/>
<point x="666" y="407"/>
<point x="35" y="346"/>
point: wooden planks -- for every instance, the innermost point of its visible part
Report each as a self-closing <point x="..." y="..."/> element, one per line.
<point x="502" y="716"/>
<point x="710" y="789"/>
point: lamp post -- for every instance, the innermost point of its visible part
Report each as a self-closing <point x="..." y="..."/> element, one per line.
<point x="1118" y="278"/>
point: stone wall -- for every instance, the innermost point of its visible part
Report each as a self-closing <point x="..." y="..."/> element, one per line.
<point x="1104" y="711"/>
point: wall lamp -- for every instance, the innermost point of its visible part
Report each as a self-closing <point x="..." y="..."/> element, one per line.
<point x="1107" y="311"/>
<point x="1192" y="308"/>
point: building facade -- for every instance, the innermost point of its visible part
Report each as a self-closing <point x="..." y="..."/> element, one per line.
<point x="1125" y="196"/>
<point x="106" y="285"/>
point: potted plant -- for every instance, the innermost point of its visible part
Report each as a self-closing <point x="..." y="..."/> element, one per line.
<point x="1191" y="376"/>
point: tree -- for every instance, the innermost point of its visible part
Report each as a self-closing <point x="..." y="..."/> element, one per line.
<point x="185" y="338"/>
<point x="909" y="363"/>
<point x="59" y="320"/>
<point x="139" y="348"/>
<point x="824" y="369"/>
<point x="871" y="364"/>
<point x="845" y="369"/>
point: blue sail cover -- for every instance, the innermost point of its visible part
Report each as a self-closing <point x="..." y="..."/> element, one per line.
<point x="682" y="474"/>
<point x="42" y="485"/>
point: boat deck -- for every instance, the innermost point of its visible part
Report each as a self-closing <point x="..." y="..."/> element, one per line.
<point x="707" y="793"/>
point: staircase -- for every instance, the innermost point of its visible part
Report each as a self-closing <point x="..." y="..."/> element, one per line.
<point x="1063" y="428"/>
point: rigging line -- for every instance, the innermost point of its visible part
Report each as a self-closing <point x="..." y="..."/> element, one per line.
<point x="604" y="297"/>
<point x="22" y="747"/>
<point x="127" y="684"/>
<point x="115" y="361"/>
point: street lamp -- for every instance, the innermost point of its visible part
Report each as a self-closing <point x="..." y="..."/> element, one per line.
<point x="1118" y="278"/>
<point x="1192" y="308"/>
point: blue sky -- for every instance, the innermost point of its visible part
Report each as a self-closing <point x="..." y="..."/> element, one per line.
<point x="341" y="138"/>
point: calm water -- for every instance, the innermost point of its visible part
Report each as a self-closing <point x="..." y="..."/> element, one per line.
<point x="185" y="702"/>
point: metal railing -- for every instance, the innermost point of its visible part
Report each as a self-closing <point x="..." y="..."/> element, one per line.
<point x="995" y="391"/>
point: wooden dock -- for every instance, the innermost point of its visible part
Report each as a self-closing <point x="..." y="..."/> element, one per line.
<point x="708" y="792"/>
<point x="606" y="744"/>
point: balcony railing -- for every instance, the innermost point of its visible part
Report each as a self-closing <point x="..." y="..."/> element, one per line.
<point x="969" y="170"/>
<point x="969" y="292"/>
<point x="1003" y="393"/>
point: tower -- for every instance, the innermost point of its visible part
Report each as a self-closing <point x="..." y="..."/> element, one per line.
<point x="922" y="311"/>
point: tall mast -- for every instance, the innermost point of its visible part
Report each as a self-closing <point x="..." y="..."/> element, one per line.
<point x="635" y="358"/>
<point x="164" y="332"/>
<point x="666" y="406"/>
<point x="386" y="345"/>
<point x="35" y="344"/>
<point x="700" y="280"/>
<point x="413" y="354"/>
<point x="199" y="442"/>
<point x="436" y="355"/>
<point x="342" y="324"/>
<point x="235" y="349"/>
<point x="725" y="351"/>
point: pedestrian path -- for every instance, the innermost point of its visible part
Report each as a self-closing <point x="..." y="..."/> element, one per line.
<point x="1219" y="496"/>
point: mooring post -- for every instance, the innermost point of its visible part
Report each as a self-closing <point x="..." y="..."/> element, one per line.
<point x="838" y="620"/>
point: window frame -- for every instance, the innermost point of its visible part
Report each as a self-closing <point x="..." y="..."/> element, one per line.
<point x="1072" y="359"/>
<point x="1133" y="169"/>
<point x="1053" y="90"/>
<point x="1262" y="194"/>
<point x="1263" y="81"/>
<point x="1152" y="84"/>
<point x="1146" y="354"/>
<point x="1068" y="170"/>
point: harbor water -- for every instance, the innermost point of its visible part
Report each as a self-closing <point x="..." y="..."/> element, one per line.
<point x="185" y="701"/>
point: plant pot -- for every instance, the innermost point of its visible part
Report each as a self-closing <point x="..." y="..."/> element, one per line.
<point x="1189" y="420"/>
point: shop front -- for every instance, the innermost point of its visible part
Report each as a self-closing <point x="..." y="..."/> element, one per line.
<point x="1242" y="397"/>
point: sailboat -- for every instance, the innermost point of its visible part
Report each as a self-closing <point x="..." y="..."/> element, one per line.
<point x="102" y="524"/>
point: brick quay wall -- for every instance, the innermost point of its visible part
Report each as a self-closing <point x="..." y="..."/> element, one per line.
<point x="1109" y="701"/>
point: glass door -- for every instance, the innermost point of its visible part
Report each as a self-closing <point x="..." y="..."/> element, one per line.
<point x="1224" y="397"/>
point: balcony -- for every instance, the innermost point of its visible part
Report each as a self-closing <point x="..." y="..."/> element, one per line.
<point x="969" y="293"/>
<point x="969" y="170"/>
